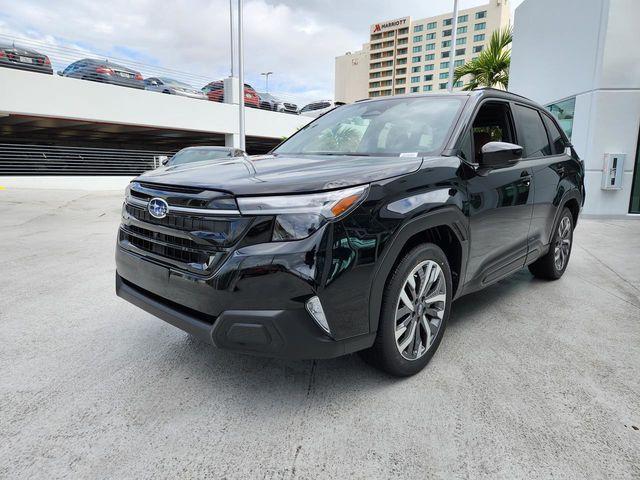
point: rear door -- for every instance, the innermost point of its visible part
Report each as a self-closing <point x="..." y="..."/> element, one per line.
<point x="546" y="157"/>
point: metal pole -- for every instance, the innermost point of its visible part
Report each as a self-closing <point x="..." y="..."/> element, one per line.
<point x="241" y="76"/>
<point x="266" y="76"/>
<point x="231" y="33"/>
<point x="452" y="54"/>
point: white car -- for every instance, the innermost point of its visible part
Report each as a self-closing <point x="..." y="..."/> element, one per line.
<point x="321" y="107"/>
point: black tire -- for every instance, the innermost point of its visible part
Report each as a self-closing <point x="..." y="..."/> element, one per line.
<point x="547" y="266"/>
<point x="385" y="353"/>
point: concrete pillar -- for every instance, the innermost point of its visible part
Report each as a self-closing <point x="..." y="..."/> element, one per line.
<point x="231" y="95"/>
<point x="231" y="90"/>
<point x="232" y="140"/>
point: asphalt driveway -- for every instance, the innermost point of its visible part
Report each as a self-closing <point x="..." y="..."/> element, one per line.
<point x="533" y="379"/>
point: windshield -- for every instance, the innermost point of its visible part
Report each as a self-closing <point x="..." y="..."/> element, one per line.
<point x="197" y="155"/>
<point x="385" y="127"/>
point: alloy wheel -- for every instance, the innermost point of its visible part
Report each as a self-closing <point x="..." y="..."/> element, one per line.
<point x="562" y="246"/>
<point x="420" y="309"/>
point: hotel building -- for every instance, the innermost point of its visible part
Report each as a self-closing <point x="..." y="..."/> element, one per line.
<point x="411" y="56"/>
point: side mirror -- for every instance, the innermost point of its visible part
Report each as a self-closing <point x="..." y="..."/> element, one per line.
<point x="500" y="154"/>
<point x="59" y="72"/>
<point x="163" y="159"/>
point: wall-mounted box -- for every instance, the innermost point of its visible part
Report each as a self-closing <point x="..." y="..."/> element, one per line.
<point x="612" y="171"/>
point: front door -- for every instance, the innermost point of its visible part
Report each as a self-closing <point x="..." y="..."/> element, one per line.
<point x="500" y="202"/>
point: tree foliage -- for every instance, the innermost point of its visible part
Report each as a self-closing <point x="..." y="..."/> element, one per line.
<point x="491" y="67"/>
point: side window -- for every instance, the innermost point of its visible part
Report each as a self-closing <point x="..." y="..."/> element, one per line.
<point x="557" y="142"/>
<point x="492" y="124"/>
<point x="531" y="132"/>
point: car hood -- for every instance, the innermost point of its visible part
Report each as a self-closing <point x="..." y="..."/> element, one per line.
<point x="272" y="174"/>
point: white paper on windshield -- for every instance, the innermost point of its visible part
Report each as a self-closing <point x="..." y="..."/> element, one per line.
<point x="409" y="154"/>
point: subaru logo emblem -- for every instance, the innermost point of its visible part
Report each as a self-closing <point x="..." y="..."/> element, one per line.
<point x="158" y="208"/>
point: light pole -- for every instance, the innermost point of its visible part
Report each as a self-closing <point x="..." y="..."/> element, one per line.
<point x="452" y="51"/>
<point x="231" y="33"/>
<point x="266" y="80"/>
<point x="241" y="76"/>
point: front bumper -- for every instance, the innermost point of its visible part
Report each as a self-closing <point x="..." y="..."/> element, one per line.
<point x="254" y="298"/>
<point x="288" y="334"/>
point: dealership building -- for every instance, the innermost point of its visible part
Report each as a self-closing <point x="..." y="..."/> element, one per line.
<point x="581" y="60"/>
<point x="411" y="56"/>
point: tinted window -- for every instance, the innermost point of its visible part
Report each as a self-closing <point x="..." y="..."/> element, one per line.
<point x="557" y="142"/>
<point x="492" y="124"/>
<point x="532" y="135"/>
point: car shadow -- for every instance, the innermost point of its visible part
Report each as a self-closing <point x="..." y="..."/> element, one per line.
<point x="471" y="306"/>
<point x="272" y="381"/>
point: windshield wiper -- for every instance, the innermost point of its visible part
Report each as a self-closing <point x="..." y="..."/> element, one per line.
<point x="338" y="154"/>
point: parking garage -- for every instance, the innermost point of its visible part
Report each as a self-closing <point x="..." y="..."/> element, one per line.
<point x="52" y="125"/>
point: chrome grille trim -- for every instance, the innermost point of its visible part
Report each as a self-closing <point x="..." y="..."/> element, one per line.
<point x="136" y="202"/>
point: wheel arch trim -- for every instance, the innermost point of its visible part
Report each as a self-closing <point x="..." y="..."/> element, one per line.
<point x="447" y="216"/>
<point x="573" y="194"/>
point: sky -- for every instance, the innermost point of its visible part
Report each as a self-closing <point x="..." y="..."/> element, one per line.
<point x="297" y="40"/>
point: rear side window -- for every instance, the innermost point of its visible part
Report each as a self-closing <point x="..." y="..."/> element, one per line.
<point x="532" y="135"/>
<point x="557" y="142"/>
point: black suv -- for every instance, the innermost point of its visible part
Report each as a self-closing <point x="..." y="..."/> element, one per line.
<point x="358" y="232"/>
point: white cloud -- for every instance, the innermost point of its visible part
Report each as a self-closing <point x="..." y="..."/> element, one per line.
<point x="296" y="39"/>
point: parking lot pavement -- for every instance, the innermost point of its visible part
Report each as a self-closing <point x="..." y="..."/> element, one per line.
<point x="533" y="379"/>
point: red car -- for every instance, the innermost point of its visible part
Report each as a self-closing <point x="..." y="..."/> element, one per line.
<point x="215" y="93"/>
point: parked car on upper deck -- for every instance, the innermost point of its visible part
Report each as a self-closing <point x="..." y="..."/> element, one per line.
<point x="173" y="87"/>
<point x="22" y="58"/>
<point x="321" y="107"/>
<point x="271" y="102"/>
<point x="104" y="71"/>
<point x="215" y="93"/>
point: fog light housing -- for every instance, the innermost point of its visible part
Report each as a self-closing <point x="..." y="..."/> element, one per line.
<point x="314" y="307"/>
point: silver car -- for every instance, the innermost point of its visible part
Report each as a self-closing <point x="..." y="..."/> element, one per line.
<point x="321" y="107"/>
<point x="173" y="87"/>
<point x="202" y="154"/>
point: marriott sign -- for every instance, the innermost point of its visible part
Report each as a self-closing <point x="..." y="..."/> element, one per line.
<point x="390" y="25"/>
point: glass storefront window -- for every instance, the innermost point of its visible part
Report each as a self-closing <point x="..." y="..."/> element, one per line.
<point x="634" y="205"/>
<point x="563" y="111"/>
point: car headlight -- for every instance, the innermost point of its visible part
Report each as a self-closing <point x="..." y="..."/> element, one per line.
<point x="298" y="216"/>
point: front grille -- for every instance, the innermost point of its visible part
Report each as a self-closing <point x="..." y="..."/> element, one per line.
<point x="192" y="242"/>
<point x="223" y="229"/>
<point x="177" y="249"/>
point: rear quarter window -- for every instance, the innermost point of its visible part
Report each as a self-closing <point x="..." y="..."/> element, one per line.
<point x="557" y="140"/>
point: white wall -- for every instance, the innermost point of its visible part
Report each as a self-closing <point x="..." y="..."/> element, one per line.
<point x="27" y="93"/>
<point x="352" y="76"/>
<point x="554" y="48"/>
<point x="587" y="49"/>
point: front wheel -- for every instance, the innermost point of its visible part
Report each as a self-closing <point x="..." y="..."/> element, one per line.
<point x="553" y="264"/>
<point x="415" y="308"/>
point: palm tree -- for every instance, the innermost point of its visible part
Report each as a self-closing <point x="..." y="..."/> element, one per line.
<point x="491" y="67"/>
